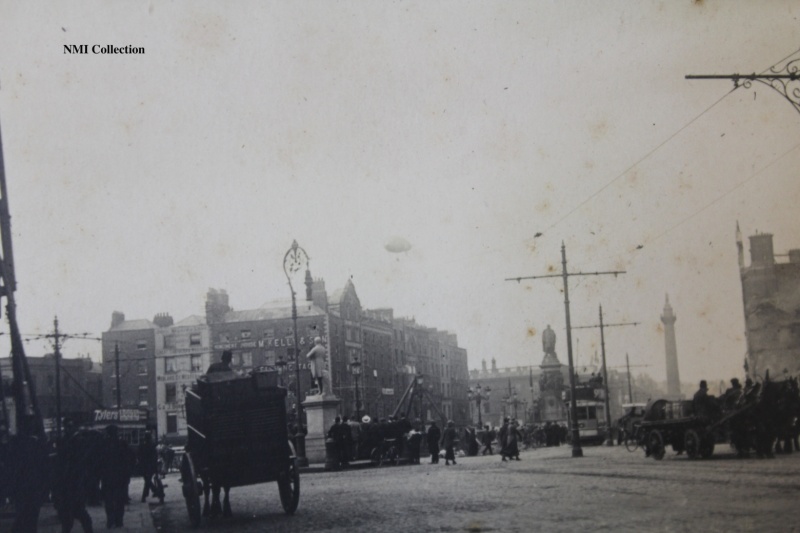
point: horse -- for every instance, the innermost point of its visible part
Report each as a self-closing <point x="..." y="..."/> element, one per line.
<point x="212" y="488"/>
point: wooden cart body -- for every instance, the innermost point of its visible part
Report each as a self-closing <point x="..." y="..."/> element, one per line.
<point x="237" y="436"/>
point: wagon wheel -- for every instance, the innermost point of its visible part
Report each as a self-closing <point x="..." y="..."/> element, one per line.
<point x="191" y="492"/>
<point x="693" y="444"/>
<point x="375" y="457"/>
<point x="289" y="485"/>
<point x="707" y="446"/>
<point x="655" y="444"/>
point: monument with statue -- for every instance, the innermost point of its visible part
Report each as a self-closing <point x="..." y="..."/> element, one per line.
<point x="321" y="405"/>
<point x="551" y="381"/>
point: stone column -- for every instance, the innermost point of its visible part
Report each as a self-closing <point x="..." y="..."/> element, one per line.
<point x="321" y="411"/>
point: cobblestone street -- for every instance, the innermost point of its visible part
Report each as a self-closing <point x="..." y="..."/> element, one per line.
<point x="608" y="489"/>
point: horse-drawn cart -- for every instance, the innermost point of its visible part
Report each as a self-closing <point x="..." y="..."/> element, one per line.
<point x="751" y="419"/>
<point x="237" y="436"/>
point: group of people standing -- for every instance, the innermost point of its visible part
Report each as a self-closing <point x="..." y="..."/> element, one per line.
<point x="87" y="467"/>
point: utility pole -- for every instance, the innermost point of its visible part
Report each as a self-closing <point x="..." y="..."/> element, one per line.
<point x="116" y="373"/>
<point x="57" y="352"/>
<point x="630" y="389"/>
<point x="577" y="451"/>
<point x="609" y="440"/>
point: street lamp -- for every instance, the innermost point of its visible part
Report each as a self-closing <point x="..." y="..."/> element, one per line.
<point x="420" y="381"/>
<point x="513" y="401"/>
<point x="294" y="261"/>
<point x="479" y="394"/>
<point x="355" y="368"/>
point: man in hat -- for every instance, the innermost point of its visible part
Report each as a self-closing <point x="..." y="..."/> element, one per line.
<point x="732" y="394"/>
<point x="115" y="472"/>
<point x="702" y="402"/>
<point x="434" y="434"/>
<point x="224" y="364"/>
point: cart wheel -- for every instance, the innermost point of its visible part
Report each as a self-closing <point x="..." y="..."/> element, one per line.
<point x="191" y="493"/>
<point x="289" y="486"/>
<point x="655" y="442"/>
<point x="693" y="443"/>
<point x="375" y="457"/>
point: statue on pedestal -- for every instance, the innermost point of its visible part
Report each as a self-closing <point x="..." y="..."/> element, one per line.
<point x="318" y="358"/>
<point x="549" y="341"/>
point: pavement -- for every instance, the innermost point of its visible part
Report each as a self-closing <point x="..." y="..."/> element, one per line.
<point x="137" y="515"/>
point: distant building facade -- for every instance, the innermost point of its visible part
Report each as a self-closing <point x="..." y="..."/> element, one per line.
<point x="159" y="358"/>
<point x="81" y="387"/>
<point x="771" y="292"/>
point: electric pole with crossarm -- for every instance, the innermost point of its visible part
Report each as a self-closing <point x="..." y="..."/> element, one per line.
<point x="609" y="439"/>
<point x="577" y="451"/>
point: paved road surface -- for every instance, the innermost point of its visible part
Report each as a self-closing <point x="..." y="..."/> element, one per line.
<point x="608" y="489"/>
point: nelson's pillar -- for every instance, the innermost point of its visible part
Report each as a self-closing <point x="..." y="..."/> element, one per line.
<point x="668" y="318"/>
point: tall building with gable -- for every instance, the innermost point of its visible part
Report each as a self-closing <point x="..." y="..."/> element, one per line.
<point x="771" y="293"/>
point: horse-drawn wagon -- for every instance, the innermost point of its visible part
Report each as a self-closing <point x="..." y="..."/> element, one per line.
<point x="752" y="419"/>
<point x="237" y="436"/>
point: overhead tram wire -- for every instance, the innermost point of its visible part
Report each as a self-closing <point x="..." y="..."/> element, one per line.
<point x="723" y="195"/>
<point x="648" y="154"/>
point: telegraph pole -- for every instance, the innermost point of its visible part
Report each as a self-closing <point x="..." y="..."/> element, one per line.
<point x="577" y="451"/>
<point x="609" y="440"/>
<point x="630" y="389"/>
<point x="116" y="372"/>
<point x="58" y="378"/>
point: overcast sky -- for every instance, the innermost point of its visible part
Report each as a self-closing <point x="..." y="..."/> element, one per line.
<point x="136" y="182"/>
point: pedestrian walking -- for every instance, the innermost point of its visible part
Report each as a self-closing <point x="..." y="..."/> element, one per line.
<point x="339" y="434"/>
<point x="502" y="436"/>
<point x="488" y="438"/>
<point x="513" y="437"/>
<point x="434" y="435"/>
<point x="73" y="475"/>
<point x="115" y="474"/>
<point x="147" y="456"/>
<point x="449" y="440"/>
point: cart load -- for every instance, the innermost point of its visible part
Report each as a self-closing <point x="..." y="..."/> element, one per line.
<point x="238" y="436"/>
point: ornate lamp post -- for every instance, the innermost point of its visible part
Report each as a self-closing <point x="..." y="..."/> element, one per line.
<point x="420" y="382"/>
<point x="479" y="394"/>
<point x="294" y="261"/>
<point x="355" y="368"/>
<point x="513" y="402"/>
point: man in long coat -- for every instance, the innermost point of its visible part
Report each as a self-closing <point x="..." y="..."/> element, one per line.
<point x="434" y="435"/>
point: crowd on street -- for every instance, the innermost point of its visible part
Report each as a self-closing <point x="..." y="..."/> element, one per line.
<point x="401" y="439"/>
<point x="84" y="467"/>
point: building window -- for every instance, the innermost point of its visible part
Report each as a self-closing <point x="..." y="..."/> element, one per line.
<point x="143" y="395"/>
<point x="170" y="365"/>
<point x="141" y="345"/>
<point x="224" y="337"/>
<point x="142" y="367"/>
<point x="270" y="357"/>
<point x="246" y="333"/>
<point x="171" y="393"/>
<point x="197" y="363"/>
<point x="247" y="359"/>
<point x="169" y="342"/>
<point x="172" y="422"/>
<point x="194" y="339"/>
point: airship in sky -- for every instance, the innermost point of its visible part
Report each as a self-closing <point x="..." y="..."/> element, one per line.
<point x="396" y="245"/>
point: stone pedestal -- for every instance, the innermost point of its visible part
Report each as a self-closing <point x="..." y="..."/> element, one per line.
<point x="551" y="384"/>
<point x="321" y="411"/>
